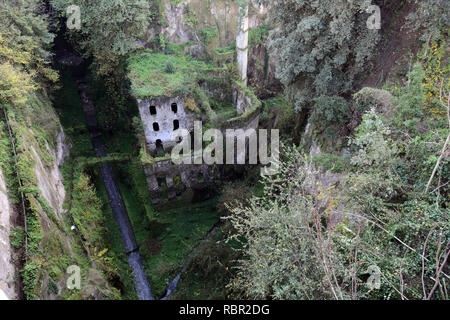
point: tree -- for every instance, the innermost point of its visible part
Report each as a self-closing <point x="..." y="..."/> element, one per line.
<point x="25" y="39"/>
<point x="319" y="46"/>
<point x="322" y="235"/>
<point x="432" y="17"/>
<point x="242" y="50"/>
<point x="109" y="29"/>
<point x="242" y="40"/>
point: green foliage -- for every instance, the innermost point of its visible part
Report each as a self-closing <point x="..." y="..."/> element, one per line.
<point x="437" y="75"/>
<point x="317" y="48"/>
<point x="30" y="276"/>
<point x="376" y="158"/>
<point x="109" y="29"/>
<point x="206" y="34"/>
<point x="431" y="17"/>
<point x="17" y="238"/>
<point x="282" y="256"/>
<point x="24" y="51"/>
<point x="190" y="16"/>
<point x="331" y="113"/>
<point x="170" y="68"/>
<point x="209" y="269"/>
<point x="258" y="35"/>
<point x="317" y="235"/>
<point x="281" y="110"/>
<point x="232" y="193"/>
<point x="331" y="162"/>
<point x="87" y="211"/>
<point x="25" y="40"/>
<point x="409" y="115"/>
<point x="149" y="78"/>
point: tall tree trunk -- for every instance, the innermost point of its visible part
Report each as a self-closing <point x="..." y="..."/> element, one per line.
<point x="242" y="45"/>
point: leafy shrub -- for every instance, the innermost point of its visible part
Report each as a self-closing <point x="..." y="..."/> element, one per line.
<point x="30" y="274"/>
<point x="331" y="162"/>
<point x="17" y="238"/>
<point x="330" y="115"/>
<point x="232" y="193"/>
<point x="304" y="239"/>
<point x="170" y="68"/>
<point x="318" y="236"/>
<point x="431" y="17"/>
<point x="317" y="50"/>
<point x="410" y="108"/>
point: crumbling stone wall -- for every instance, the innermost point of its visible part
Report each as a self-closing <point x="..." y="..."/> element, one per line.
<point x="167" y="181"/>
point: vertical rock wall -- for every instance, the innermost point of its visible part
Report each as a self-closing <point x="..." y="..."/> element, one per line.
<point x="8" y="288"/>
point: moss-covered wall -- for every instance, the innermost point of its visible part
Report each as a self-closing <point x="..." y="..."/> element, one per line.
<point x="214" y="18"/>
<point x="32" y="152"/>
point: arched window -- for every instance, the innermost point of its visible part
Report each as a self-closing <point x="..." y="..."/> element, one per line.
<point x="152" y="110"/>
<point x="174" y="107"/>
<point x="155" y="126"/>
<point x="176" y="124"/>
<point x="159" y="148"/>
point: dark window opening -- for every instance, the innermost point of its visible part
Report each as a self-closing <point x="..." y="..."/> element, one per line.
<point x="161" y="182"/>
<point x="152" y="110"/>
<point x="159" y="148"/>
<point x="176" y="124"/>
<point x="174" y="107"/>
<point x="155" y="126"/>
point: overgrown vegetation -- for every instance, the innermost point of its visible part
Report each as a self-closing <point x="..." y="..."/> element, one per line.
<point x="378" y="234"/>
<point x="108" y="29"/>
<point x="150" y="75"/>
<point x="359" y="209"/>
<point x="318" y="50"/>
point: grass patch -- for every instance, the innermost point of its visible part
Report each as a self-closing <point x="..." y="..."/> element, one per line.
<point x="185" y="226"/>
<point x="70" y="110"/>
<point x="331" y="162"/>
<point x="149" y="76"/>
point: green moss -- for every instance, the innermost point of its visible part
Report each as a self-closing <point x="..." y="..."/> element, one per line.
<point x="185" y="225"/>
<point x="258" y="35"/>
<point x="68" y="105"/>
<point x="30" y="276"/>
<point x="255" y="106"/>
<point x="148" y="76"/>
<point x="17" y="237"/>
<point x="331" y="162"/>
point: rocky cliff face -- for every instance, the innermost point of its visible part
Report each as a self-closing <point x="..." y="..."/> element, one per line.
<point x="49" y="179"/>
<point x="186" y="20"/>
<point x="43" y="167"/>
<point x="209" y="28"/>
<point x="8" y="288"/>
<point x="33" y="148"/>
